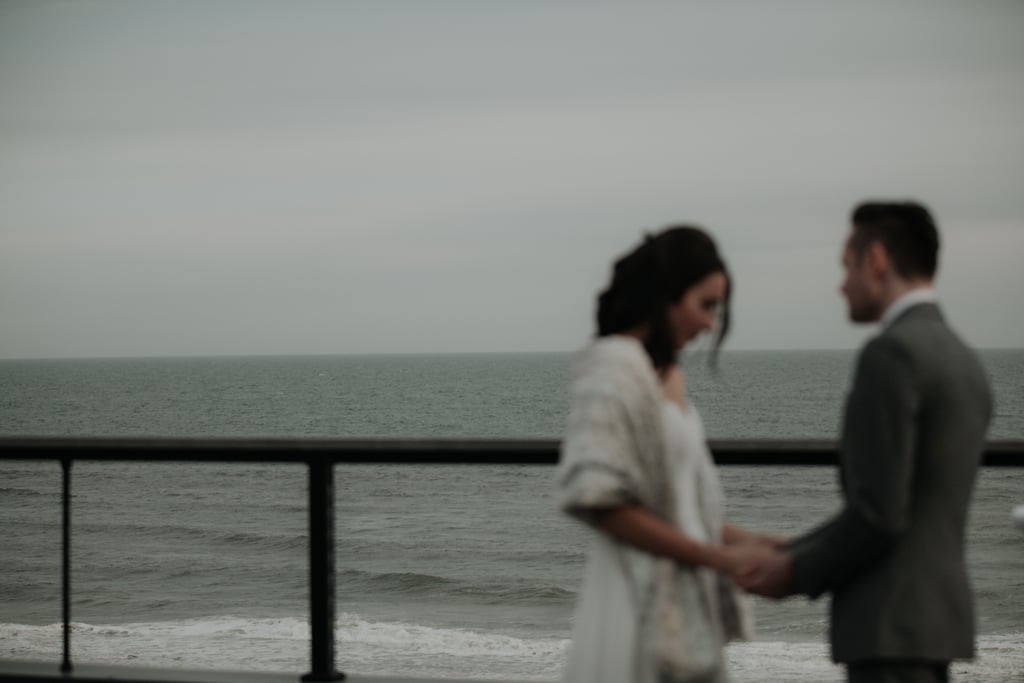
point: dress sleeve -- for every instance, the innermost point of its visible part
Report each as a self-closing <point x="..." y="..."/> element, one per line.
<point x="597" y="469"/>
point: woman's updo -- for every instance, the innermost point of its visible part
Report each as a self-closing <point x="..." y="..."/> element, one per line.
<point x="650" y="278"/>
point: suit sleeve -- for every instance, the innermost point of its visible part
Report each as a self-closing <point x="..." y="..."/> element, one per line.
<point x="878" y="447"/>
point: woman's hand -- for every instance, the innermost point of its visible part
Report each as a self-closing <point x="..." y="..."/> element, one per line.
<point x="637" y="526"/>
<point x="732" y="535"/>
<point x="743" y="557"/>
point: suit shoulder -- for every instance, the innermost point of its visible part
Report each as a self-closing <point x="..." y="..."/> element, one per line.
<point x="928" y="336"/>
<point x="930" y="352"/>
<point x="887" y="348"/>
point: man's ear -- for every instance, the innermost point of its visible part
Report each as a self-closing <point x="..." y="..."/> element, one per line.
<point x="878" y="259"/>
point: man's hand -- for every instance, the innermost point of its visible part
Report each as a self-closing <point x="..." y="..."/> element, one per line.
<point x="771" y="575"/>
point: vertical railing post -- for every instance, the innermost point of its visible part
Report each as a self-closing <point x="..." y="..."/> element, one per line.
<point x="321" y="571"/>
<point x="65" y="465"/>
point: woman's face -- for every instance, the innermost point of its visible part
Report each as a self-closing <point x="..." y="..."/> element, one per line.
<point x="696" y="311"/>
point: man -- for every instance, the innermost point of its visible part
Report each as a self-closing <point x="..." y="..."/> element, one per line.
<point x="912" y="438"/>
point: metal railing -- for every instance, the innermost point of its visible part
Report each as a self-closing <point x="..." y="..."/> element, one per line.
<point x="321" y="455"/>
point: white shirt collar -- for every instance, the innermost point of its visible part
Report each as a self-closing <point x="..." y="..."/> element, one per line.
<point x="920" y="295"/>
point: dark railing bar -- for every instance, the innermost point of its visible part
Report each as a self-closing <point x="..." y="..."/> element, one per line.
<point x="321" y="573"/>
<point x="998" y="453"/>
<point x="65" y="465"/>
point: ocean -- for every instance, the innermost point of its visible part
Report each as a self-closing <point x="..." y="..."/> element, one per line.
<point x="442" y="570"/>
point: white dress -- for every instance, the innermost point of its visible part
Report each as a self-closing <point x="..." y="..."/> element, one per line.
<point x="605" y="645"/>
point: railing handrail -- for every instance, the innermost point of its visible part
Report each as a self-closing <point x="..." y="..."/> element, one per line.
<point x="539" y="451"/>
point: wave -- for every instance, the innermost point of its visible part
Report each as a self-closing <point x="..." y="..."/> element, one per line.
<point x="394" y="582"/>
<point x="15" y="492"/>
<point x="217" y="537"/>
<point x="394" y="648"/>
<point x="519" y="592"/>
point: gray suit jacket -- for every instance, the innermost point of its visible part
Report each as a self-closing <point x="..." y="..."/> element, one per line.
<point x="893" y="558"/>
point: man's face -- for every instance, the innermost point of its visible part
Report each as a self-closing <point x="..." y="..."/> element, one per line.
<point x="861" y="285"/>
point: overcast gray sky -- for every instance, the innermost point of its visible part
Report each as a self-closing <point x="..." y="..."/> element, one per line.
<point x="192" y="178"/>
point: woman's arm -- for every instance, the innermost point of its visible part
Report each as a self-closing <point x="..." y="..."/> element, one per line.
<point x="733" y="535"/>
<point x="635" y="525"/>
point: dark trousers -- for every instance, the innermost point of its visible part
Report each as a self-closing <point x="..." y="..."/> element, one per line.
<point x="897" y="671"/>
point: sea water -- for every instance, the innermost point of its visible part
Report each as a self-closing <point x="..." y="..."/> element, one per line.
<point x="442" y="570"/>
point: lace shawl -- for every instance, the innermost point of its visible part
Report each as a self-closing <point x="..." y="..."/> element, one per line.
<point x="614" y="453"/>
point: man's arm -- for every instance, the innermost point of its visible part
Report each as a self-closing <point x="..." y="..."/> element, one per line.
<point x="879" y="438"/>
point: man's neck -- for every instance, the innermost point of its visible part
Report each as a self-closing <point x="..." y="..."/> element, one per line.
<point x="905" y="296"/>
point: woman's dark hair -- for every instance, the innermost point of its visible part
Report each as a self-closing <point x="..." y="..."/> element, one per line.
<point x="655" y="274"/>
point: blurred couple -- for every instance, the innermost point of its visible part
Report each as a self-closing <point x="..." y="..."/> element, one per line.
<point x="665" y="584"/>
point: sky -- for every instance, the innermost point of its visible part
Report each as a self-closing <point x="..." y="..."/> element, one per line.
<point x="250" y="178"/>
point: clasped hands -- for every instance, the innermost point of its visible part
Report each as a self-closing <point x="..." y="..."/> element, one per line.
<point x="761" y="565"/>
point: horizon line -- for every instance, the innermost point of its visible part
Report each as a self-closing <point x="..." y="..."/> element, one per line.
<point x="184" y="356"/>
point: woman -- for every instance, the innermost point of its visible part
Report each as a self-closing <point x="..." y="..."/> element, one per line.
<point x="657" y="603"/>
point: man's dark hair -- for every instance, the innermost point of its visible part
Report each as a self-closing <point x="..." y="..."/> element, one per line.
<point x="905" y="229"/>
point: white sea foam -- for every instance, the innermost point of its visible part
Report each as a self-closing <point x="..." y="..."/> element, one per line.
<point x="385" y="648"/>
<point x="1018" y="516"/>
<point x="393" y="648"/>
<point x="1000" y="660"/>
